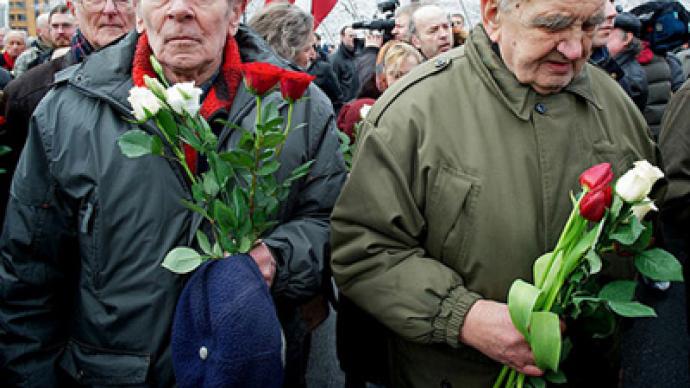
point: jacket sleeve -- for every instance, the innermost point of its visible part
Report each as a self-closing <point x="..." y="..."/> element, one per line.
<point x="379" y="260"/>
<point x="34" y="275"/>
<point x="301" y="241"/>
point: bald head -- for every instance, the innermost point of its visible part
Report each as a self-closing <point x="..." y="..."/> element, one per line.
<point x="430" y="30"/>
<point x="42" y="27"/>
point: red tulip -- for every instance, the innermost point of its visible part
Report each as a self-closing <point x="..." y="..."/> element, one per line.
<point x="593" y="205"/>
<point x="596" y="176"/>
<point x="261" y="77"/>
<point x="293" y="84"/>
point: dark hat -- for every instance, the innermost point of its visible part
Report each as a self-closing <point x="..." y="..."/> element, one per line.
<point x="226" y="332"/>
<point x="628" y="22"/>
<point x="350" y="114"/>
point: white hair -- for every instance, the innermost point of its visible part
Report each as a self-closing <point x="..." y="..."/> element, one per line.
<point x="9" y="33"/>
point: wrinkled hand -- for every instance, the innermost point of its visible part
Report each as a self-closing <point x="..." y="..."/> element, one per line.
<point x="264" y="259"/>
<point x="489" y="329"/>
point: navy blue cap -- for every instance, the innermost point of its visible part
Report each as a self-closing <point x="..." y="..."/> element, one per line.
<point x="226" y="332"/>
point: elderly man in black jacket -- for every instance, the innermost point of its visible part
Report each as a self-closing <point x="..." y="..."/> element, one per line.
<point x="98" y="27"/>
<point x="624" y="46"/>
<point x="85" y="300"/>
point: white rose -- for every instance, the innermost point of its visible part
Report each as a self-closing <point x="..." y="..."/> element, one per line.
<point x="184" y="97"/>
<point x="642" y="209"/>
<point x="636" y="184"/>
<point x="143" y="99"/>
<point x="364" y="111"/>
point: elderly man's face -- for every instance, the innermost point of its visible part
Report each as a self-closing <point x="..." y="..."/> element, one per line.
<point x="544" y="43"/>
<point x="618" y="41"/>
<point x="61" y="28"/>
<point x="601" y="36"/>
<point x="433" y="31"/>
<point x="103" y="21"/>
<point x="15" y="45"/>
<point x="188" y="36"/>
<point x="402" y="27"/>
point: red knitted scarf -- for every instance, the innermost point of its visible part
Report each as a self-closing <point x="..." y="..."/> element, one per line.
<point x="222" y="92"/>
<point x="9" y="61"/>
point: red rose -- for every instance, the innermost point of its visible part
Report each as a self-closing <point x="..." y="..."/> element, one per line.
<point x="261" y="77"/>
<point x="293" y="84"/>
<point x="596" y="176"/>
<point x="593" y="205"/>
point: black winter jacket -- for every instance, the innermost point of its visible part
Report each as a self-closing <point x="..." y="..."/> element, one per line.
<point x="345" y="69"/>
<point x="83" y="296"/>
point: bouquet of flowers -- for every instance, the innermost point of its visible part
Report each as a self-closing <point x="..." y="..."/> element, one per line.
<point x="602" y="220"/>
<point x="239" y="194"/>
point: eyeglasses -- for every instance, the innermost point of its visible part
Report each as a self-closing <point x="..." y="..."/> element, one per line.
<point x="98" y="5"/>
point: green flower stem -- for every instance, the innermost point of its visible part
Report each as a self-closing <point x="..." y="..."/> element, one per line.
<point x="179" y="154"/>
<point x="511" y="378"/>
<point x="291" y="107"/>
<point x="521" y="380"/>
<point x="499" y="380"/>
<point x="257" y="149"/>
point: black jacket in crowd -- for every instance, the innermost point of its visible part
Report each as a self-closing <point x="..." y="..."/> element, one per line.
<point x="634" y="75"/>
<point x="345" y="69"/>
<point x="327" y="81"/>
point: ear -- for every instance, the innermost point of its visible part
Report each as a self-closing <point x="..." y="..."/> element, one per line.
<point x="235" y="15"/>
<point x="628" y="38"/>
<point x="491" y="18"/>
<point x="137" y="13"/>
<point x="416" y="42"/>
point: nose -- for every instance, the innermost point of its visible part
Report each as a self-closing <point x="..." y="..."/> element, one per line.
<point x="109" y="6"/>
<point x="571" y="48"/>
<point x="179" y="10"/>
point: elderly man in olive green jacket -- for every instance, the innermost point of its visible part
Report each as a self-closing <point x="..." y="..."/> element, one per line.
<point x="461" y="181"/>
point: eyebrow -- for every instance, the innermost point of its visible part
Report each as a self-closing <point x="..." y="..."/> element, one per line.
<point x="560" y="21"/>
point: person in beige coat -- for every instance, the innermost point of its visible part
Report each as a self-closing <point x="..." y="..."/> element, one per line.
<point x="461" y="181"/>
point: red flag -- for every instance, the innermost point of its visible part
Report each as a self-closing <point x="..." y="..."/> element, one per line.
<point x="320" y="9"/>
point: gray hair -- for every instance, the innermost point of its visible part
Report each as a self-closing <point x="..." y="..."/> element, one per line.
<point x="9" y="33"/>
<point x="285" y="27"/>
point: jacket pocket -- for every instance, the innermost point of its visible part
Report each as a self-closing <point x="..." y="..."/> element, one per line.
<point x="88" y="237"/>
<point x="93" y="366"/>
<point x="450" y="214"/>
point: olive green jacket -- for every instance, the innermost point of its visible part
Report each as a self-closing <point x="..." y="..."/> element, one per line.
<point x="461" y="181"/>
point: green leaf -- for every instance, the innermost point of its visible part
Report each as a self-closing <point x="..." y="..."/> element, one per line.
<point x="616" y="207"/>
<point x="628" y="233"/>
<point x="203" y="242"/>
<point x="210" y="184"/>
<point x="245" y="244"/>
<point x="217" y="250"/>
<point x="546" y="339"/>
<point x="239" y="158"/>
<point x="522" y="297"/>
<point x="195" y="208"/>
<point x="189" y="137"/>
<point x="221" y="169"/>
<point x="135" y="143"/>
<point x="659" y="265"/>
<point x="594" y="261"/>
<point x="268" y="168"/>
<point x="540" y="266"/>
<point x="165" y="121"/>
<point x="273" y="139"/>
<point x="631" y="309"/>
<point x="557" y="377"/>
<point x="181" y="260"/>
<point x="644" y="240"/>
<point x="198" y="192"/>
<point x="4" y="150"/>
<point x="224" y="216"/>
<point x="618" y="291"/>
<point x="298" y="173"/>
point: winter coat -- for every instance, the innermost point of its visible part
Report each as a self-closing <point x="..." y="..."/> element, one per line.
<point x="327" y="81"/>
<point x="684" y="57"/>
<point x="635" y="75"/>
<point x="664" y="76"/>
<point x="39" y="52"/>
<point x="84" y="297"/>
<point x="448" y="203"/>
<point x="21" y="96"/>
<point x="343" y="61"/>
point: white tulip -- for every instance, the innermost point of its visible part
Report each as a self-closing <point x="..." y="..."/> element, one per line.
<point x="184" y="97"/>
<point x="155" y="86"/>
<point x="364" y="111"/>
<point x="142" y="100"/>
<point x="641" y="210"/>
<point x="636" y="184"/>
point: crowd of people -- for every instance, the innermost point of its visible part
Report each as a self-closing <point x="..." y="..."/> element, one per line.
<point x="466" y="142"/>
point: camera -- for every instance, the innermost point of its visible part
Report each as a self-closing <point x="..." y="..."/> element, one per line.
<point x="383" y="21"/>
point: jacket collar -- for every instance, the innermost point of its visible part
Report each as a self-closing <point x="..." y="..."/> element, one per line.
<point x="519" y="98"/>
<point x="108" y="73"/>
